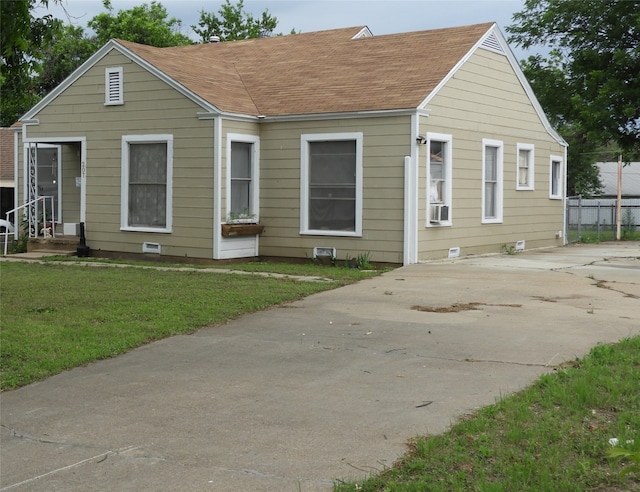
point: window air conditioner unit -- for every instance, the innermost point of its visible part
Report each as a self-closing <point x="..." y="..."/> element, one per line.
<point x="439" y="213"/>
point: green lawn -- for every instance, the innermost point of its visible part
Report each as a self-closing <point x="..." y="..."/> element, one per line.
<point x="553" y="436"/>
<point x="58" y="316"/>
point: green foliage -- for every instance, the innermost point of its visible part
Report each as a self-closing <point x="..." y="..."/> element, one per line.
<point x="69" y="49"/>
<point x="589" y="85"/>
<point x="23" y="36"/>
<point x="233" y="23"/>
<point x="146" y="24"/>
<point x="626" y="454"/>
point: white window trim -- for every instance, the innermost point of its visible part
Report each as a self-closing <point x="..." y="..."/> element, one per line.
<point x="560" y="194"/>
<point x="448" y="172"/>
<point x="124" y="189"/>
<point x="255" y="173"/>
<point x="530" y="170"/>
<point x="304" y="181"/>
<point x="107" y="86"/>
<point x="486" y="142"/>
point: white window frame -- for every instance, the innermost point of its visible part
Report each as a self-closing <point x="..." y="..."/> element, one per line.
<point x="530" y="184"/>
<point x="560" y="178"/>
<point x="305" y="139"/>
<point x="446" y="200"/>
<point x="254" y="200"/>
<point x="124" y="192"/>
<point x="118" y="85"/>
<point x="486" y="142"/>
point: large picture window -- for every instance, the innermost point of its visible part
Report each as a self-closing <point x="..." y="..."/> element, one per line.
<point x="439" y="182"/>
<point x="492" y="155"/>
<point x="146" y="182"/>
<point x="331" y="192"/>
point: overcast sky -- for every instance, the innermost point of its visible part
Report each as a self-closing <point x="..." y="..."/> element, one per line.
<point x="381" y="16"/>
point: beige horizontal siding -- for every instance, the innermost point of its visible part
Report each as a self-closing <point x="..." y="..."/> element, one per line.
<point x="150" y="107"/>
<point x="385" y="143"/>
<point x="485" y="100"/>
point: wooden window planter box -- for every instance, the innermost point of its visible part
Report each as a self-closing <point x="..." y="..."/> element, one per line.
<point x="233" y="230"/>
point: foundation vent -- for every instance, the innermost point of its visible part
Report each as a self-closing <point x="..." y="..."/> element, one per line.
<point x="151" y="248"/>
<point x="454" y="252"/>
<point x="324" y="251"/>
<point x="520" y="245"/>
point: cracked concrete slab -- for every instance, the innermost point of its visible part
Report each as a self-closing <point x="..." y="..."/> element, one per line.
<point x="326" y="388"/>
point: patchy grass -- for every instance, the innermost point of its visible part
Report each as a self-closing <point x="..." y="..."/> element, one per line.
<point x="551" y="436"/>
<point x="56" y="316"/>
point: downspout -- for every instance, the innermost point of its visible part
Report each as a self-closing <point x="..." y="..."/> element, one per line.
<point x="217" y="190"/>
<point x="410" y="253"/>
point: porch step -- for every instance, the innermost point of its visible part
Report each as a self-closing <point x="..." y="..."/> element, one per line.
<point x="59" y="245"/>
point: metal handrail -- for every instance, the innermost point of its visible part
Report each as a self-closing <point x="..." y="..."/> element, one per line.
<point x="44" y="218"/>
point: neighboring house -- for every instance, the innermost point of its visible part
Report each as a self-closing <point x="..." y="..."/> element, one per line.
<point x="7" y="183"/>
<point x="630" y="179"/>
<point x="407" y="146"/>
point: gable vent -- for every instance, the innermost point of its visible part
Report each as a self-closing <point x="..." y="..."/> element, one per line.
<point x="113" y="86"/>
<point x="491" y="43"/>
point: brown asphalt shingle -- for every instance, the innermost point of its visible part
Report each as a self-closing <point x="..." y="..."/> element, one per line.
<point x="320" y="72"/>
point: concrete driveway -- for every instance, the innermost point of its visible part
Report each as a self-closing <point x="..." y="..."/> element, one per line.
<point x="327" y="388"/>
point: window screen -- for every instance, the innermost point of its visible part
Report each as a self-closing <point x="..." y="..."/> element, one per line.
<point x="332" y="185"/>
<point x="241" y="178"/>
<point x="147" y="184"/>
<point x="491" y="182"/>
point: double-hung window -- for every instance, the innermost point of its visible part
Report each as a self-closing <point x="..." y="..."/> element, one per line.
<point x="147" y="172"/>
<point x="439" y="183"/>
<point x="555" y="178"/>
<point x="331" y="184"/>
<point x="492" y="156"/>
<point x="242" y="178"/>
<point x="525" y="169"/>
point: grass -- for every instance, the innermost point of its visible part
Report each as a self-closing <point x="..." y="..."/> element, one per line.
<point x="591" y="235"/>
<point x="552" y="436"/>
<point x="58" y="316"/>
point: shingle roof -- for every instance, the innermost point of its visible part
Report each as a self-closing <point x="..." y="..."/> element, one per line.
<point x="319" y="72"/>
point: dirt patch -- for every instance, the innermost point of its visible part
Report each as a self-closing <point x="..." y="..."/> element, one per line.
<point x="459" y="306"/>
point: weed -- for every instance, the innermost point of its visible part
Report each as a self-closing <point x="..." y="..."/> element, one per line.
<point x="363" y="261"/>
<point x="509" y="250"/>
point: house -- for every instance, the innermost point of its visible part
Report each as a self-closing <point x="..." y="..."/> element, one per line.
<point x="407" y="147"/>
<point x="630" y="182"/>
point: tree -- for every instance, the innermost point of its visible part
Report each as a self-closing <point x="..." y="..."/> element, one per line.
<point x="234" y="23"/>
<point x="146" y="24"/>
<point x="22" y="38"/>
<point x="69" y="48"/>
<point x="589" y="85"/>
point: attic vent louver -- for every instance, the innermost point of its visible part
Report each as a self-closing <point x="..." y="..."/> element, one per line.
<point x="113" y="86"/>
<point x="491" y="43"/>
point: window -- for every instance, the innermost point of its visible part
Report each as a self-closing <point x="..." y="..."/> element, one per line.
<point x="113" y="86"/>
<point x="146" y="182"/>
<point x="524" y="177"/>
<point x="242" y="177"/>
<point x="439" y="183"/>
<point x="555" y="178"/>
<point x="331" y="180"/>
<point x="492" y="181"/>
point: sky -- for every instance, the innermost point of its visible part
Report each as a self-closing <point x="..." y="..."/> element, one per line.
<point x="381" y="16"/>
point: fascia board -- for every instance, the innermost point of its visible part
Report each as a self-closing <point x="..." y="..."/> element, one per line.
<point x="95" y="58"/>
<point x="518" y="72"/>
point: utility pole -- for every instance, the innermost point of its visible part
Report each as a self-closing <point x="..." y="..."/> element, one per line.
<point x="619" y="201"/>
